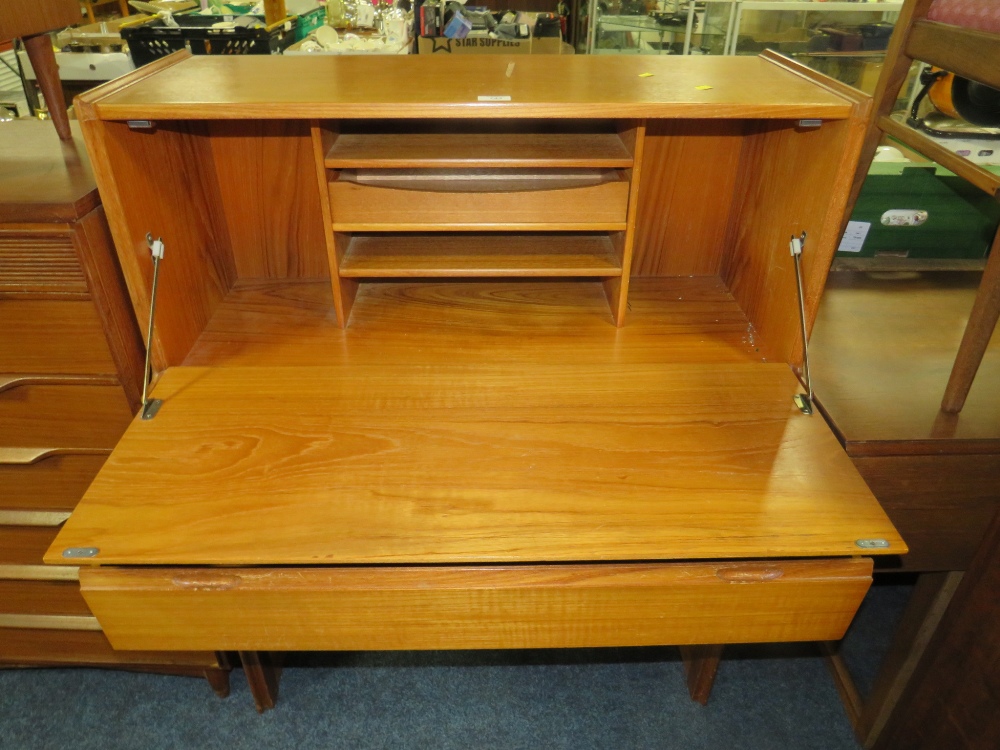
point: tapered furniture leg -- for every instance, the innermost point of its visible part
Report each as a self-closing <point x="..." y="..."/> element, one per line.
<point x="219" y="680"/>
<point x="43" y="60"/>
<point x="700" y="665"/>
<point x="982" y="321"/>
<point x="262" y="676"/>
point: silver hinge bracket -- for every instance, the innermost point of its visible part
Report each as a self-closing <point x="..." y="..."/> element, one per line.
<point x="872" y="543"/>
<point x="151" y="406"/>
<point x="72" y="552"/>
<point x="804" y="401"/>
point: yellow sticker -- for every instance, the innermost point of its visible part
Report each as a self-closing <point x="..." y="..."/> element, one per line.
<point x="702" y="88"/>
<point x="645" y="75"/>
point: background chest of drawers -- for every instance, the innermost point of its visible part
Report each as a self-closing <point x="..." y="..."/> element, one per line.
<point x="70" y="380"/>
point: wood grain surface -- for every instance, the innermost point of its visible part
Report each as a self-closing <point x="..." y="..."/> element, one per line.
<point x="63" y="416"/>
<point x="358" y="206"/>
<point x="52" y="336"/>
<point x="463" y="255"/>
<point x="28" y="17"/>
<point x="52" y="181"/>
<point x="682" y="221"/>
<point x="574" y="86"/>
<point x="477" y="150"/>
<point x="256" y="162"/>
<point x="882" y="351"/>
<point x="554" y="606"/>
<point x="479" y="463"/>
<point x="498" y="321"/>
<point x="39" y="260"/>
<point x="88" y="647"/>
<point x="966" y="52"/>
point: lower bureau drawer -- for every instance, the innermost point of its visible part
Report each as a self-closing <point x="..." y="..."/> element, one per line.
<point x="25" y="545"/>
<point x="45" y="482"/>
<point x="52" y="336"/>
<point x="41" y="598"/>
<point x="536" y="606"/>
<point x="63" y="416"/>
<point x="30" y="646"/>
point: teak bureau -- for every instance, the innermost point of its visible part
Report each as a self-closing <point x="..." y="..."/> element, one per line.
<point x="478" y="353"/>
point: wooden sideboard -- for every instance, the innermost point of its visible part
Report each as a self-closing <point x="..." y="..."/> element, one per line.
<point x="70" y="374"/>
<point x="480" y="353"/>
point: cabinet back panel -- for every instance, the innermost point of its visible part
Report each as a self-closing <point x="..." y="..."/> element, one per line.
<point x="784" y="188"/>
<point x="685" y="196"/>
<point x="164" y="182"/>
<point x="267" y="180"/>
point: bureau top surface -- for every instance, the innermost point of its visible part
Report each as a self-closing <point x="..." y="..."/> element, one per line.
<point x="477" y="463"/>
<point x="487" y="86"/>
<point x="43" y="179"/>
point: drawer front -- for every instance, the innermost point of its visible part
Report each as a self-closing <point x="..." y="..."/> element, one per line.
<point x="940" y="504"/>
<point x="543" y="606"/>
<point x="47" y="598"/>
<point x="25" y="545"/>
<point x="365" y="206"/>
<point x="31" y="646"/>
<point x="63" y="416"/>
<point x="52" y="336"/>
<point x="31" y="480"/>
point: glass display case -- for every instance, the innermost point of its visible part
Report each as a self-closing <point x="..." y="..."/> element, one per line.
<point x="844" y="39"/>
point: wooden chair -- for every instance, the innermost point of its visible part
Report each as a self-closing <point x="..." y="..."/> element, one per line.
<point x="963" y="37"/>
<point x="30" y="20"/>
<point x="89" y="5"/>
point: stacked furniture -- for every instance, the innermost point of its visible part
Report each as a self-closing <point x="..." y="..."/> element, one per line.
<point x="70" y="381"/>
<point x="923" y="434"/>
<point x="496" y="353"/>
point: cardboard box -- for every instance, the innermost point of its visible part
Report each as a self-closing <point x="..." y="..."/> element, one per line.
<point x="480" y="45"/>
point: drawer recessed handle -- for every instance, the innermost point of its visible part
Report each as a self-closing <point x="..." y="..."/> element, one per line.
<point x="203" y="582"/>
<point x="10" y="382"/>
<point x="755" y="574"/>
<point x="28" y="456"/>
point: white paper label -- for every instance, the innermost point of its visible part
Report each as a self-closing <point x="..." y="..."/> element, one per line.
<point x="494" y="98"/>
<point x="854" y="237"/>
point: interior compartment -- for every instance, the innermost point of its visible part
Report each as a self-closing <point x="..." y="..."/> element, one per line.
<point x="715" y="198"/>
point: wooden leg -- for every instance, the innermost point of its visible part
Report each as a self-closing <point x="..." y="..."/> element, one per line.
<point x="982" y="321"/>
<point x="262" y="676"/>
<point x="923" y="612"/>
<point x="43" y="60"/>
<point x="219" y="680"/>
<point x="700" y="665"/>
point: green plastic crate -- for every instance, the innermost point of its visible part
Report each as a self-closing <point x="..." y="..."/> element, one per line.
<point x="309" y="22"/>
<point x="961" y="219"/>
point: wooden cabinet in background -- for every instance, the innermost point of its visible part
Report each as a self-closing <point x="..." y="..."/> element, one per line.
<point x="70" y="381"/>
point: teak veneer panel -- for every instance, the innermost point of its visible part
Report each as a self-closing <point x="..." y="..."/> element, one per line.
<point x="56" y="482"/>
<point x="476" y="150"/>
<point x="572" y="86"/>
<point x="450" y="204"/>
<point x="554" y="606"/>
<point x="517" y="323"/>
<point x="478" y="463"/>
<point x="395" y="256"/>
<point x="89" y="647"/>
<point x="63" y="416"/>
<point x="881" y="353"/>
<point x="52" y="336"/>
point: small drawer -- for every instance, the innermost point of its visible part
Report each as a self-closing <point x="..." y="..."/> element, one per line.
<point x="42" y="598"/>
<point x="84" y="647"/>
<point x="34" y="480"/>
<point x="532" y="606"/>
<point x="87" y="417"/>
<point x="52" y="336"/>
<point x="25" y="545"/>
<point x="414" y="200"/>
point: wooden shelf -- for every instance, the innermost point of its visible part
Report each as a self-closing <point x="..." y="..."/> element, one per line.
<point x="472" y="150"/>
<point x="489" y="255"/>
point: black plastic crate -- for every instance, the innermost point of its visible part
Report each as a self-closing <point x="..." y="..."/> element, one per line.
<point x="153" y="40"/>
